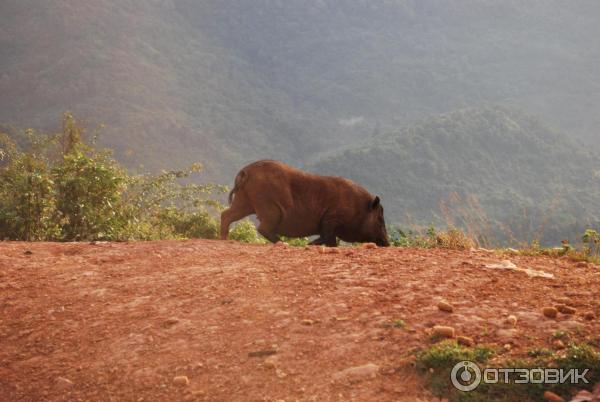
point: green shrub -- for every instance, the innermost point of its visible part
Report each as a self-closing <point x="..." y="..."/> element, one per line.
<point x="451" y="239"/>
<point x="27" y="203"/>
<point x="88" y="186"/>
<point x="295" y="241"/>
<point x="60" y="188"/>
<point x="246" y="232"/>
<point x="445" y="354"/>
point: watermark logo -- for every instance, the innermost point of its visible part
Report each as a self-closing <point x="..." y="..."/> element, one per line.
<point x="466" y="376"/>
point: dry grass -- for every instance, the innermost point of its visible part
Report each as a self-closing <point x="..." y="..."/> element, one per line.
<point x="454" y="239"/>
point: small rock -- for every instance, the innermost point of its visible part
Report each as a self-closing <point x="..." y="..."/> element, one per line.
<point x="170" y="321"/>
<point x="280" y="373"/>
<point x="566" y="309"/>
<point x="357" y="373"/>
<point x="181" y="380"/>
<point x="581" y="264"/>
<point x="550" y="312"/>
<point x="443" y="331"/>
<point x="307" y="322"/>
<point x="465" y="340"/>
<point x="552" y="397"/>
<point x="271" y="362"/>
<point x="590" y="315"/>
<point x="512" y="320"/>
<point x="445" y="306"/>
<point x="28" y="252"/>
<point x="63" y="383"/>
<point x="558" y="344"/>
<point x="369" y="245"/>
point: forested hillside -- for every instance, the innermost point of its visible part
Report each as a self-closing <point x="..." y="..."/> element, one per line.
<point x="229" y="81"/>
<point x="226" y="82"/>
<point x="500" y="173"/>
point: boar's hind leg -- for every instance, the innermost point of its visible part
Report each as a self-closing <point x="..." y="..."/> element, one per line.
<point x="239" y="209"/>
<point x="269" y="221"/>
<point x="268" y="232"/>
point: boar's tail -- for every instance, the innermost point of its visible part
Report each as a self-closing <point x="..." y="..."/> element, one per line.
<point x="239" y="182"/>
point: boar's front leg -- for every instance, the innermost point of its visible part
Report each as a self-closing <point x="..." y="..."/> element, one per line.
<point x="329" y="242"/>
<point x="327" y="235"/>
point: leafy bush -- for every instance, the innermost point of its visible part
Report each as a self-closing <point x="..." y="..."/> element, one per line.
<point x="444" y="355"/>
<point x="451" y="239"/>
<point x="295" y="241"/>
<point x="88" y="188"/>
<point x="27" y="203"/>
<point x="591" y="240"/>
<point x="400" y="238"/>
<point x="246" y="232"/>
<point x="60" y="188"/>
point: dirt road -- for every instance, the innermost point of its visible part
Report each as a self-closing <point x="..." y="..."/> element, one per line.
<point x="120" y="321"/>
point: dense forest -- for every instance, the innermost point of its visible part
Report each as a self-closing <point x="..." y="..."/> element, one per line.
<point x="420" y="93"/>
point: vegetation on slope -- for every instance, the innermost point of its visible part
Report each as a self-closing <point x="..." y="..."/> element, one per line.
<point x="57" y="187"/>
<point x="497" y="173"/>
<point x="231" y="81"/>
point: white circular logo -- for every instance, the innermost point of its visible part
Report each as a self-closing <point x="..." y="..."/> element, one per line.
<point x="465" y="376"/>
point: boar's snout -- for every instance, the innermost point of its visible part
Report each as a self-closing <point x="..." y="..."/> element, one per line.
<point x="383" y="242"/>
<point x="377" y="223"/>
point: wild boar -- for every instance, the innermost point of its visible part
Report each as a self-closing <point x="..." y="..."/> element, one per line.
<point x="293" y="203"/>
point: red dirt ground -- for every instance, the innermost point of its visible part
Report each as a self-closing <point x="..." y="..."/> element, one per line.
<point x="118" y="321"/>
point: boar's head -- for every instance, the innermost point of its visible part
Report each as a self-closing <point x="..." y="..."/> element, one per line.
<point x="373" y="228"/>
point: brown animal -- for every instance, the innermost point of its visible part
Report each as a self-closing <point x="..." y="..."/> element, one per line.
<point x="293" y="203"/>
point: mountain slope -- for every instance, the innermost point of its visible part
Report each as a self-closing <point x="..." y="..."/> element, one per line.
<point x="164" y="90"/>
<point x="229" y="81"/>
<point x="501" y="173"/>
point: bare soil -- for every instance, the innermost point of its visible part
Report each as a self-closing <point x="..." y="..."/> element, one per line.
<point x="119" y="321"/>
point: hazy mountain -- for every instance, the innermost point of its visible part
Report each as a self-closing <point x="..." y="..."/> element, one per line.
<point x="501" y="173"/>
<point x="167" y="91"/>
<point x="230" y="81"/>
<point x="227" y="81"/>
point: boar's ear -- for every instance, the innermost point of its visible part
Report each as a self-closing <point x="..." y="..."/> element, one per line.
<point x="374" y="203"/>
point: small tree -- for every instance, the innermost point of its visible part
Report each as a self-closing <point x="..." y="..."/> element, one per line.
<point x="26" y="191"/>
<point x="591" y="239"/>
<point x="89" y="186"/>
